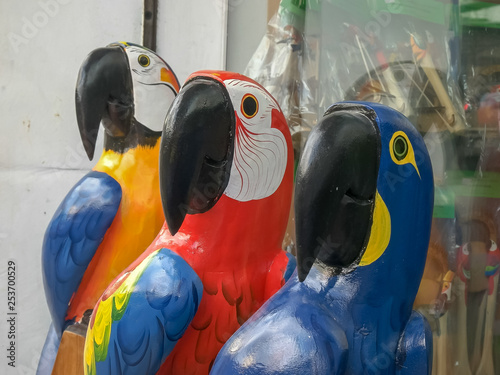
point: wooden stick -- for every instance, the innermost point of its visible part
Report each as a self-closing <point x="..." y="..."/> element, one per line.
<point x="486" y="366"/>
<point x="435" y="358"/>
<point x="425" y="60"/>
<point x="422" y="95"/>
<point x="442" y="343"/>
<point x="478" y="335"/>
<point x="461" y="352"/>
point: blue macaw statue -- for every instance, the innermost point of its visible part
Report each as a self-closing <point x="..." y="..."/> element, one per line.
<point x="363" y="203"/>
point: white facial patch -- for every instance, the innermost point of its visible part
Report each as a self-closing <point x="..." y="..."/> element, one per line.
<point x="152" y="96"/>
<point x="260" y="152"/>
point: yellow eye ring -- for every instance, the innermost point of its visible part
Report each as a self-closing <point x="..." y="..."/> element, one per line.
<point x="401" y="150"/>
<point x="249" y="106"/>
<point x="144" y="60"/>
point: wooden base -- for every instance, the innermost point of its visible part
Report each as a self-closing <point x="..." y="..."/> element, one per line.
<point x="69" y="360"/>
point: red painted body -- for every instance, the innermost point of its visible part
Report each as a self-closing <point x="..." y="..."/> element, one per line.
<point x="235" y="248"/>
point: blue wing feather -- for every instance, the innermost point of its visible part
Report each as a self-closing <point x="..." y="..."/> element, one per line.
<point x="161" y="307"/>
<point x="73" y="236"/>
<point x="415" y="348"/>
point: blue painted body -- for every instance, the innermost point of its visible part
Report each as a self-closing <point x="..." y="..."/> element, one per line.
<point x="72" y="238"/>
<point x="358" y="321"/>
<point x="414" y="349"/>
<point x="161" y="307"/>
<point x="290" y="266"/>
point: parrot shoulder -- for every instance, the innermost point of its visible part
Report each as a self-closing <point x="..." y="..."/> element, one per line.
<point x="289" y="334"/>
<point x="143" y="315"/>
<point x="281" y="270"/>
<point x="414" y="354"/>
<point x="73" y="236"/>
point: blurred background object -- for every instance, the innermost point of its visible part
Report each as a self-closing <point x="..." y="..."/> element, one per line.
<point x="437" y="62"/>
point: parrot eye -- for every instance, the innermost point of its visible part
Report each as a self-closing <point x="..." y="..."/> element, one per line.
<point x="465" y="249"/>
<point x="493" y="246"/>
<point x="249" y="106"/>
<point x="400" y="148"/>
<point x="144" y="60"/>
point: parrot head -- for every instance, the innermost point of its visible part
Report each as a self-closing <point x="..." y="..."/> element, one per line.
<point x="478" y="259"/>
<point x="225" y="141"/>
<point x="128" y="88"/>
<point x="364" y="198"/>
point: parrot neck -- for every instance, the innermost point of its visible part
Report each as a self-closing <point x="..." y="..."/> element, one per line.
<point x="366" y="287"/>
<point x="232" y="233"/>
<point x="139" y="135"/>
<point x="136" y="168"/>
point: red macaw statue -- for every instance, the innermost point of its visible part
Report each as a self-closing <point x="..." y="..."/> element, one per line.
<point x="226" y="176"/>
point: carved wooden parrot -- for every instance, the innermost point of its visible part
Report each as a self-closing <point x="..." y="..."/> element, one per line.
<point x="226" y="171"/>
<point x="114" y="212"/>
<point x="364" y="198"/>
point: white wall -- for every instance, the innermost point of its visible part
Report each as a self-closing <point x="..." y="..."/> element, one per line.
<point x="247" y="21"/>
<point x="192" y="35"/>
<point x="43" y="43"/>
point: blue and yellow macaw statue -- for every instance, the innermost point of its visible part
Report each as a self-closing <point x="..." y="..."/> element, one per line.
<point x="113" y="212"/>
<point x="364" y="198"/>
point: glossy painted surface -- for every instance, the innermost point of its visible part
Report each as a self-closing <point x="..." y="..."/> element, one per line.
<point x="128" y="89"/>
<point x="231" y="239"/>
<point x="173" y="292"/>
<point x="115" y="211"/>
<point x="136" y="223"/>
<point x="73" y="237"/>
<point x="350" y="318"/>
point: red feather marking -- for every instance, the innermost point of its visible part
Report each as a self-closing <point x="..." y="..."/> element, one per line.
<point x="210" y="284"/>
<point x="246" y="307"/>
<point x="217" y="319"/>
<point x="203" y="352"/>
<point x="275" y="278"/>
<point x="231" y="292"/>
<point x="225" y="325"/>
<point x="203" y="317"/>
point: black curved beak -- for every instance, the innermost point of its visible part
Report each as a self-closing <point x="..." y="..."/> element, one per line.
<point x="196" y="150"/>
<point x="104" y="92"/>
<point x="335" y="188"/>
